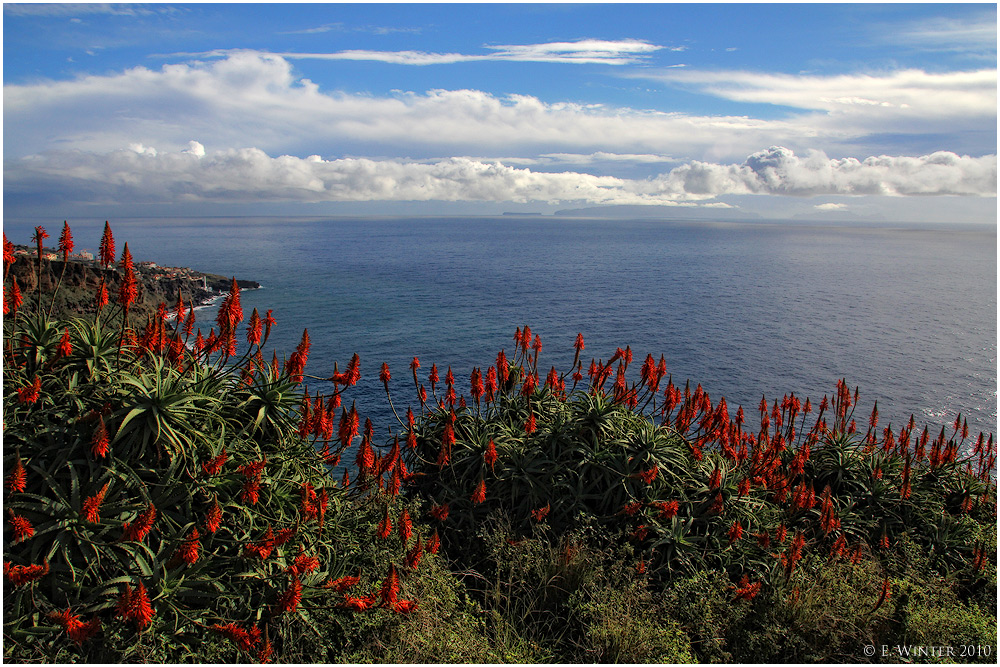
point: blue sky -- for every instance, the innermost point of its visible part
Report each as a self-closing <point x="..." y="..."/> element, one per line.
<point x="864" y="110"/>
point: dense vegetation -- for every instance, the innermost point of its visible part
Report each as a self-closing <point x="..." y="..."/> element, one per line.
<point x="169" y="497"/>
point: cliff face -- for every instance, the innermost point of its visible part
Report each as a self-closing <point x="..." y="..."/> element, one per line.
<point x="82" y="280"/>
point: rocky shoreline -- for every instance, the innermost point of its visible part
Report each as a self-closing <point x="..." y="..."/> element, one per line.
<point x="81" y="277"/>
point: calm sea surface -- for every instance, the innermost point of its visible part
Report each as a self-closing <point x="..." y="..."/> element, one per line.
<point x="907" y="313"/>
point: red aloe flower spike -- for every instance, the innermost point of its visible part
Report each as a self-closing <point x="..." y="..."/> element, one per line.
<point x="139" y="608"/>
<point x="283" y="536"/>
<point x="66" y="241"/>
<point x="189" y="549"/>
<point x="476" y="388"/>
<point x="100" y="443"/>
<point x="179" y="309"/>
<point x="384" y="376"/>
<point x="490" y="455"/>
<point x="439" y="512"/>
<point x="236" y="634"/>
<point x="65" y="347"/>
<point x="296" y="364"/>
<point x="630" y="509"/>
<point x="303" y="564"/>
<point x="289" y="600"/>
<point x="214" y="465"/>
<point x="39" y="238"/>
<point x="17" y="480"/>
<point x="648" y="476"/>
<point x="404" y="606"/>
<point x="405" y="527"/>
<point x="390" y="587"/>
<point x="503" y="368"/>
<point x="137" y="531"/>
<point x="92" y="505"/>
<point x="414" y="555"/>
<point x="254" y="329"/>
<point x="21" y="526"/>
<point x="530" y="426"/>
<point x="479" y="495"/>
<point x="250" y="493"/>
<point x="433" y="544"/>
<point x="18" y="575"/>
<point x="106" y="251"/>
<point x="213" y="518"/>
<point x="735" y="532"/>
<point x="717" y="504"/>
<point x="13" y="302"/>
<point x="366" y="458"/>
<point x="31" y="393"/>
<point x="747" y="590"/>
<point x="8" y="252"/>
<point x="668" y="509"/>
<point x="341" y="584"/>
<point x="715" y="479"/>
<point x="540" y="513"/>
<point x="384" y="526"/>
<point x="352" y="603"/>
<point x="128" y="292"/>
<point x="76" y="629"/>
<point x="230" y="312"/>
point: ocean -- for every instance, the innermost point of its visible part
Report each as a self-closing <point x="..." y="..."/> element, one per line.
<point x="908" y="313"/>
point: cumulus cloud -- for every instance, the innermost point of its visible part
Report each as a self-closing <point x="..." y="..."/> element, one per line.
<point x="252" y="99"/>
<point x="143" y="174"/>
<point x="780" y="171"/>
<point x="830" y="206"/>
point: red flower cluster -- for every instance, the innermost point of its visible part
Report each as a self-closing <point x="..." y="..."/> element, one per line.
<point x="18" y="575"/>
<point x="137" y="531"/>
<point x="135" y="606"/>
<point x="76" y="629"/>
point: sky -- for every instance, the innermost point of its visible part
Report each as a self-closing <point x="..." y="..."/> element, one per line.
<point x="826" y="111"/>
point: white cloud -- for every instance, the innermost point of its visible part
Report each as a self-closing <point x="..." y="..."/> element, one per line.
<point x="584" y="51"/>
<point x="912" y="93"/>
<point x="830" y="206"/>
<point x="143" y="174"/>
<point x="779" y="171"/>
<point x="944" y="34"/>
<point x="250" y="99"/>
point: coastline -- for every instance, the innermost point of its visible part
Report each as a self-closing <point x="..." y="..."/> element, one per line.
<point x="82" y="273"/>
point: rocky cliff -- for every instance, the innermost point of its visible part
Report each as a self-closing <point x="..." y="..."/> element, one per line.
<point x="82" y="279"/>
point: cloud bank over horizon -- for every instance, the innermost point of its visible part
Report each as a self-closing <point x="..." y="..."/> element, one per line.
<point x="143" y="174"/>
<point x="592" y="105"/>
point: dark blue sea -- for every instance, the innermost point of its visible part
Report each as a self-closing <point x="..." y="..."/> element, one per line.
<point x="906" y="312"/>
